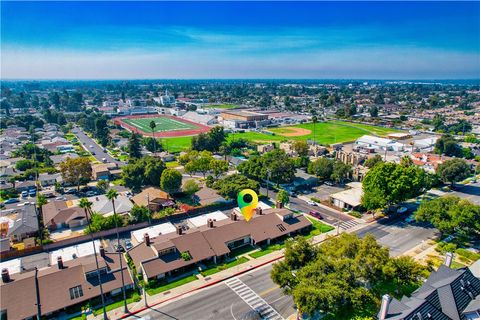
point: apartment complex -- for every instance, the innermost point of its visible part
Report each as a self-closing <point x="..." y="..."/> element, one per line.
<point x="174" y="252"/>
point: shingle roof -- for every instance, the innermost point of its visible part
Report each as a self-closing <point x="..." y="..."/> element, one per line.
<point x="18" y="296"/>
<point x="445" y="295"/>
<point x="206" y="242"/>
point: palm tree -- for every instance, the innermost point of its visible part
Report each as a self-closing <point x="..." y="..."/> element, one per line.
<point x="87" y="206"/>
<point x="314" y="120"/>
<point x="112" y="194"/>
<point x="153" y="125"/>
<point x="41" y="201"/>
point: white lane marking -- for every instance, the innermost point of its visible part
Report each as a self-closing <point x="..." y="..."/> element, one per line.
<point x="253" y="300"/>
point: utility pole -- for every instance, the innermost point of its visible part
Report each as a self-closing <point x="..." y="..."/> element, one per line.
<point x="37" y="293"/>
<point x="148" y="207"/>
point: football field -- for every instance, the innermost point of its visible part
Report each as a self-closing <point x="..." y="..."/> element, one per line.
<point x="163" y="124"/>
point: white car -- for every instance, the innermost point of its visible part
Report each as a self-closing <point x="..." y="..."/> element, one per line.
<point x="312" y="203"/>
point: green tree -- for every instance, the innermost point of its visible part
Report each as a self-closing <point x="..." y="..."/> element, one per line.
<point x="76" y="171"/>
<point x="134" y="148"/>
<point x="218" y="167"/>
<point x="282" y="197"/>
<point x="230" y="186"/>
<point x="453" y="170"/>
<point x="23" y="165"/>
<point x="374" y="112"/>
<point x="314" y="121"/>
<point x="387" y="184"/>
<point x="340" y="171"/>
<point x="41" y="201"/>
<point x="370" y="162"/>
<point x="190" y="187"/>
<point x="336" y="277"/>
<point x="451" y="214"/>
<point x="112" y="194"/>
<point x="139" y="213"/>
<point x="103" y="185"/>
<point x="171" y="181"/>
<point x="153" y="125"/>
<point x="301" y="148"/>
<point x="322" y="168"/>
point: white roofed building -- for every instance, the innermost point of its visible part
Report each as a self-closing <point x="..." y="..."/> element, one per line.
<point x="379" y="143"/>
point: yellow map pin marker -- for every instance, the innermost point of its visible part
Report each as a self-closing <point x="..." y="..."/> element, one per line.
<point x="247" y="200"/>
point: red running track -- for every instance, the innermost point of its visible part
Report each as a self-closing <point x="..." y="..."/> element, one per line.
<point x="166" y="134"/>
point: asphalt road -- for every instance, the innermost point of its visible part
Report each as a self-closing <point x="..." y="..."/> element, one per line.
<point x="471" y="192"/>
<point x="330" y="216"/>
<point x="86" y="141"/>
<point x="221" y="302"/>
<point x="399" y="236"/>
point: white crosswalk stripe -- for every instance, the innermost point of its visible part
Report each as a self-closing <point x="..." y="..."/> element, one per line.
<point x="348" y="224"/>
<point x="253" y="300"/>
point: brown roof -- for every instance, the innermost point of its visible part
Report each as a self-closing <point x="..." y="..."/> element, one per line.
<point x="18" y="296"/>
<point x="205" y="242"/>
<point x="154" y="194"/>
<point x="194" y="243"/>
<point x="60" y="213"/>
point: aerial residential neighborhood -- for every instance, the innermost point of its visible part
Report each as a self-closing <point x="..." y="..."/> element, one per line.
<point x="240" y="160"/>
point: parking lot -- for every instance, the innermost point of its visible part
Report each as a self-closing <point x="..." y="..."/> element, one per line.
<point x="324" y="191"/>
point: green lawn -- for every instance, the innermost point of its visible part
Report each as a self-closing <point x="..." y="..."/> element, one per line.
<point x="267" y="249"/>
<point x="215" y="269"/>
<point x="176" y="144"/>
<point x="318" y="228"/>
<point x="333" y="131"/>
<point x="131" y="297"/>
<point x="326" y="133"/>
<point x="165" y="286"/>
<point x="163" y="124"/>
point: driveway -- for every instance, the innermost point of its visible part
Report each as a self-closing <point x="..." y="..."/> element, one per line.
<point x="86" y="141"/>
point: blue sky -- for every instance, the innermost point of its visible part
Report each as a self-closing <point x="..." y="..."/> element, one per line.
<point x="140" y="40"/>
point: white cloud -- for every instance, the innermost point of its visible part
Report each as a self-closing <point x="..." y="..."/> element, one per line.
<point x="217" y="62"/>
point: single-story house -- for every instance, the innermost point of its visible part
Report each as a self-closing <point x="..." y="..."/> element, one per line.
<point x="206" y="196"/>
<point x="25" y="225"/>
<point x="57" y="215"/>
<point x="49" y="179"/>
<point x="349" y="199"/>
<point x="153" y="198"/>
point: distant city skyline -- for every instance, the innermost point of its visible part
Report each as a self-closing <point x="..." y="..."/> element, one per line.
<point x="201" y="40"/>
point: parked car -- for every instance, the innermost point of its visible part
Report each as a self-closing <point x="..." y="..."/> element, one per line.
<point x="71" y="191"/>
<point x="329" y="183"/>
<point x="312" y="203"/>
<point x="11" y="200"/>
<point x="128" y="244"/>
<point x="90" y="193"/>
<point x="104" y="160"/>
<point x="61" y="198"/>
<point x="118" y="248"/>
<point x="24" y="194"/>
<point x="316" y="214"/>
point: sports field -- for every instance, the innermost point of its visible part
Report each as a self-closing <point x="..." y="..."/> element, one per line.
<point x="166" y="126"/>
<point x="163" y="124"/>
<point x="325" y="133"/>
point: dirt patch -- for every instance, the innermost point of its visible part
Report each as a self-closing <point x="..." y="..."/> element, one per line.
<point x="295" y="132"/>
